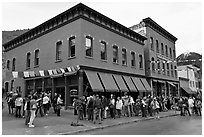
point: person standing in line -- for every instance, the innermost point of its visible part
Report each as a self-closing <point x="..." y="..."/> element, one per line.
<point x="190" y="104"/>
<point x="54" y="103"/>
<point x="119" y="105"/>
<point x="39" y="106"/>
<point x="27" y="109"/>
<point x="155" y="107"/>
<point x="144" y="107"/>
<point x="180" y="105"/>
<point x="126" y="103"/>
<point x="112" y="106"/>
<point x="33" y="107"/>
<point x="59" y="103"/>
<point x="45" y="103"/>
<point x="198" y="106"/>
<point x="186" y="107"/>
<point x="18" y="104"/>
<point x="131" y="105"/>
<point x="97" y="109"/>
<point x="84" y="106"/>
<point x="104" y="106"/>
<point x="90" y="108"/>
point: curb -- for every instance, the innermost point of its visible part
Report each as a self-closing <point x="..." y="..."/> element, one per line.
<point x="113" y="125"/>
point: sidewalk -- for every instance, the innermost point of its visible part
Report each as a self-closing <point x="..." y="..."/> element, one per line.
<point x="52" y="125"/>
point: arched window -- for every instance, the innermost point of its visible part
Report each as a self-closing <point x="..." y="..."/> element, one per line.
<point x="157" y="46"/>
<point x="151" y="43"/>
<point x="8" y="64"/>
<point x="28" y="57"/>
<point x="158" y="66"/>
<point x="153" y="64"/>
<point x="14" y="64"/>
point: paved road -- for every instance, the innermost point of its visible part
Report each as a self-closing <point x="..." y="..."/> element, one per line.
<point x="165" y="126"/>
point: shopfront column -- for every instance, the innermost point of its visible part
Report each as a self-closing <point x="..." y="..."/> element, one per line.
<point x="53" y="87"/>
<point x="165" y="90"/>
<point x="151" y="82"/>
<point x="67" y="93"/>
<point x="43" y="84"/>
<point x="80" y="83"/>
<point x="34" y="85"/>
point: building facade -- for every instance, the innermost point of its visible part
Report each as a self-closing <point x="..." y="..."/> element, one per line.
<point x="78" y="52"/>
<point x="160" y="57"/>
<point x="190" y="72"/>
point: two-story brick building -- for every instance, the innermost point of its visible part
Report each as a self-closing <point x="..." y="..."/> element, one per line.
<point x="78" y="52"/>
<point x="160" y="57"/>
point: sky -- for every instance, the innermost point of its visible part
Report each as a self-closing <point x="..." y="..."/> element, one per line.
<point x="182" y="19"/>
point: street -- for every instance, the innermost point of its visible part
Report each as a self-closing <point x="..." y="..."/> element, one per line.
<point x="165" y="126"/>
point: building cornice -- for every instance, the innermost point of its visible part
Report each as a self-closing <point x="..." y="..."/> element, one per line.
<point x="72" y="14"/>
<point x="152" y="24"/>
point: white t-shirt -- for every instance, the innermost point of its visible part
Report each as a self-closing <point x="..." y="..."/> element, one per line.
<point x="119" y="104"/>
<point x="190" y="102"/>
<point x="45" y="100"/>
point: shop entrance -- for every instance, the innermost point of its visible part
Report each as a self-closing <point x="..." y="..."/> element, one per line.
<point x="61" y="91"/>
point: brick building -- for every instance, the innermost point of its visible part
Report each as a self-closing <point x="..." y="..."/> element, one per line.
<point x="160" y="57"/>
<point x="78" y="52"/>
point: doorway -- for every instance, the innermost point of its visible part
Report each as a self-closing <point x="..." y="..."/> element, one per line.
<point x="61" y="91"/>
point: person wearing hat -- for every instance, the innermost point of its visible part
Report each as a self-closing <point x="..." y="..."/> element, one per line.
<point x="155" y="107"/>
<point x="144" y="107"/>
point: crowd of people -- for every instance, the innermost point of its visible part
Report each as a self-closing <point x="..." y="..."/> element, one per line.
<point x="97" y="107"/>
<point x="29" y="106"/>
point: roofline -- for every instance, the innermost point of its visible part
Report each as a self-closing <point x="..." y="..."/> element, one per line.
<point x="151" y="23"/>
<point x="78" y="10"/>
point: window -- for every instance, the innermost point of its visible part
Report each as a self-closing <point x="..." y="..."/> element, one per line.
<point x="37" y="57"/>
<point x="14" y="64"/>
<point x="8" y="64"/>
<point x="124" y="57"/>
<point x="167" y="67"/>
<point x="115" y="54"/>
<point x="12" y="82"/>
<point x="59" y="51"/>
<point x="163" y="69"/>
<point x="153" y="64"/>
<point x="140" y="62"/>
<point x="158" y="66"/>
<point x="174" y="54"/>
<point x="162" y="48"/>
<point x="157" y="44"/>
<point x="151" y="43"/>
<point x="175" y="70"/>
<point x="71" y="48"/>
<point x="172" y="71"/>
<point x="89" y="46"/>
<point x="166" y="50"/>
<point x="28" y="60"/>
<point x="103" y="51"/>
<point x="170" y="52"/>
<point x="133" y="59"/>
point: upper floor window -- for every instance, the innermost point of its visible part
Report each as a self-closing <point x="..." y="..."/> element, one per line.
<point x="163" y="64"/>
<point x="103" y="50"/>
<point x="174" y="54"/>
<point x="133" y="59"/>
<point x="8" y="64"/>
<point x="28" y="58"/>
<point x="172" y="71"/>
<point x="14" y="64"/>
<point x="59" y="50"/>
<point x="170" y="52"/>
<point x="115" y="54"/>
<point x="162" y="48"/>
<point x="124" y="57"/>
<point x="167" y="67"/>
<point x="157" y="46"/>
<point x="158" y="66"/>
<point x="175" y="70"/>
<point x="71" y="48"/>
<point x="151" y="43"/>
<point x="37" y="60"/>
<point x="153" y="64"/>
<point x="140" y="62"/>
<point x="89" y="46"/>
<point x="166" y="50"/>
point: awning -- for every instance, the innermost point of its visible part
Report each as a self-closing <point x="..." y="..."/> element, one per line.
<point x="138" y="84"/>
<point x="154" y="81"/>
<point x="94" y="81"/>
<point x="171" y="83"/>
<point x="130" y="84"/>
<point x="120" y="82"/>
<point x="146" y="84"/>
<point x="188" y="90"/>
<point x="108" y="82"/>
